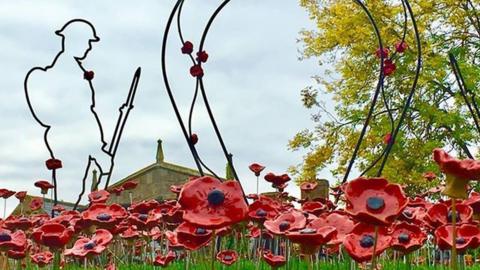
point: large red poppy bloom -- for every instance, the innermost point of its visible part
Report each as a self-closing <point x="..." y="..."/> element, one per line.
<point x="130" y="233"/>
<point x="256" y="168"/>
<point x="44" y="186"/>
<point x="42" y="258"/>
<point x="17" y="223"/>
<point x="468" y="237"/>
<point x="314" y="207"/>
<point x="104" y="216"/>
<point x="5" y="193"/>
<point x="341" y="221"/>
<point x="143" y="207"/>
<point x="407" y="237"/>
<point x="312" y="237"/>
<point x="260" y="210"/>
<point x="20" y="195"/>
<point x="291" y="220"/>
<point x="474" y="202"/>
<point x="209" y="203"/>
<point x="227" y="257"/>
<point x="87" y="247"/>
<point x="192" y="237"/>
<point x="275" y="261"/>
<point x="374" y="200"/>
<point x="458" y="172"/>
<point x="164" y="260"/>
<point x="145" y="222"/>
<point x="53" y="235"/>
<point x="53" y="164"/>
<point x="359" y="243"/>
<point x="16" y="241"/>
<point x="277" y="180"/>
<point x="36" y="203"/>
<point x="441" y="214"/>
<point x="99" y="196"/>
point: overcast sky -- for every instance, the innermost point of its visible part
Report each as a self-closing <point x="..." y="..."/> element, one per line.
<point x="253" y="78"/>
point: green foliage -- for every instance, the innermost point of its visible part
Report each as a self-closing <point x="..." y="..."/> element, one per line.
<point x="344" y="42"/>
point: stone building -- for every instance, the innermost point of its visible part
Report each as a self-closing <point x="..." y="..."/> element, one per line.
<point x="154" y="181"/>
<point x="24" y="208"/>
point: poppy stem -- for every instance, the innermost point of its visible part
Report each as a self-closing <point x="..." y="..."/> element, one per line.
<point x="453" y="259"/>
<point x="374" y="257"/>
<point x="4" y="208"/>
<point x="257" y="185"/>
<point x="213" y="247"/>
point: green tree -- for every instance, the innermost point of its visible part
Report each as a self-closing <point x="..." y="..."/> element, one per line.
<point x="344" y="43"/>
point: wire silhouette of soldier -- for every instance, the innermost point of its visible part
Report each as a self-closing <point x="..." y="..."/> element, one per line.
<point x="63" y="103"/>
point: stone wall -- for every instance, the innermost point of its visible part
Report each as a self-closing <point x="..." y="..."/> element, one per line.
<point x="321" y="191"/>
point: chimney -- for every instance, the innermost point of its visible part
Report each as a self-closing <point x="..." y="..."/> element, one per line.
<point x="159" y="152"/>
<point x="94" y="181"/>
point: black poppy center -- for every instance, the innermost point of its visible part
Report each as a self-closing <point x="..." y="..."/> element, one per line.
<point x="216" y="197"/>
<point x="90" y="245"/>
<point x="403" y="238"/>
<point x="200" y="231"/>
<point x="5" y="237"/>
<point x="450" y="217"/>
<point x="143" y="217"/>
<point x="40" y="257"/>
<point x="228" y="258"/>
<point x="308" y="231"/>
<point x="104" y="217"/>
<point x="460" y="241"/>
<point x="285" y="225"/>
<point x="367" y="241"/>
<point x="375" y="203"/>
<point x="407" y="213"/>
<point x="261" y="213"/>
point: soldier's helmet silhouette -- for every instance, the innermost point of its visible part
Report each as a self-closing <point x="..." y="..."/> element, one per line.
<point x="81" y="30"/>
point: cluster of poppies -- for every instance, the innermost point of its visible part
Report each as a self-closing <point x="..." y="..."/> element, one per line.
<point x="210" y="214"/>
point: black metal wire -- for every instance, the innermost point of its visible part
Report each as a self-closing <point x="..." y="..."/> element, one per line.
<point x="412" y="91"/>
<point x="375" y="95"/>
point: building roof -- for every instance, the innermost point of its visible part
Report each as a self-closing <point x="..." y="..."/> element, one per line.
<point x="46" y="208"/>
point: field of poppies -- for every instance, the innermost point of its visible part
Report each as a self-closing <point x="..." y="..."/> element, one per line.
<point x="212" y="225"/>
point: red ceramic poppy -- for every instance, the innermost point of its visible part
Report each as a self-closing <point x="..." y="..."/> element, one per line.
<point x="53" y="164"/>
<point x="227" y="257"/>
<point x="430" y="176"/>
<point x="130" y="184"/>
<point x="401" y="46"/>
<point x="389" y="67"/>
<point x="5" y="193"/>
<point x="187" y="47"/>
<point x="145" y="222"/>
<point x="104" y="216"/>
<point x="194" y="136"/>
<point x="12" y="241"/>
<point x="42" y="258"/>
<point x="17" y="223"/>
<point x="256" y="168"/>
<point x="143" y="207"/>
<point x="17" y="255"/>
<point x="192" y="237"/>
<point x="407" y="237"/>
<point x="254" y="232"/>
<point x="202" y="56"/>
<point x="165" y="260"/>
<point x="259" y="210"/>
<point x="44" y="186"/>
<point x="275" y="261"/>
<point x="88" y="75"/>
<point x="196" y="71"/>
<point x="99" y="196"/>
<point x="58" y="208"/>
<point x="117" y="190"/>
<point x="173" y="216"/>
<point x="441" y="214"/>
<point x="308" y="186"/>
<point x="359" y="243"/>
<point x="53" y="235"/>
<point x="383" y="52"/>
<point x="66" y="218"/>
<point x="458" y="172"/>
<point x="474" y="202"/>
<point x="209" y="203"/>
<point x="314" y="207"/>
<point x="84" y="247"/>
<point x="312" y="237"/>
<point x="277" y="180"/>
<point x="176" y="189"/>
<point x="36" y="203"/>
<point x="374" y="200"/>
<point x="341" y="221"/>
<point x="21" y="195"/>
<point x="292" y="220"/>
<point x="111" y="266"/>
<point x="413" y="214"/>
<point x="468" y="237"/>
<point x="387" y="138"/>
